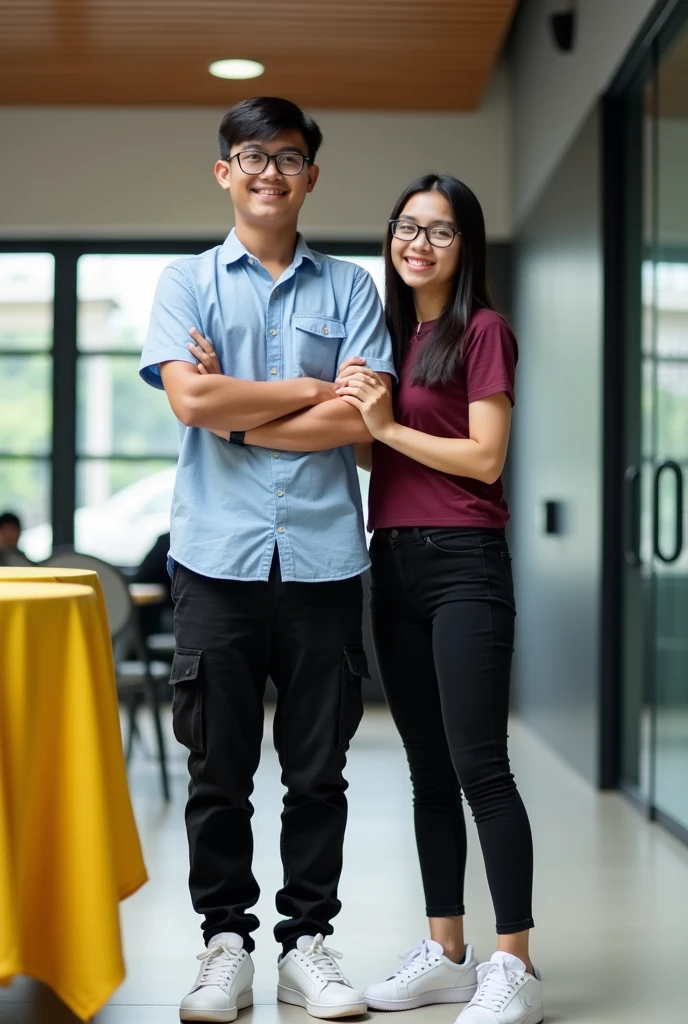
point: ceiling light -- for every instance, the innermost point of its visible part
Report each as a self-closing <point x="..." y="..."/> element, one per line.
<point x="236" y="69"/>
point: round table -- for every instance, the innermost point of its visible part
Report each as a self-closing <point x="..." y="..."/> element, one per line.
<point x="69" y="849"/>
<point x="52" y="574"/>
<point x="147" y="593"/>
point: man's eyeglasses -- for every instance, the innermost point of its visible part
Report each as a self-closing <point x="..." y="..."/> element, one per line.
<point x="253" y="161"/>
<point x="439" y="235"/>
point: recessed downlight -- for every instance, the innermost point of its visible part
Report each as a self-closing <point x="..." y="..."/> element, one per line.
<point x="237" y="69"/>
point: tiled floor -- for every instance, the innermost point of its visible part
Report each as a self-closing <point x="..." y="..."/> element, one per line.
<point x="611" y="897"/>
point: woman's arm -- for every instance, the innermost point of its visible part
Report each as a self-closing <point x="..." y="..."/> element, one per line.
<point x="479" y="457"/>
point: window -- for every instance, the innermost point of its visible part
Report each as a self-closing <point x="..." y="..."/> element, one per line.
<point x="123" y="496"/>
<point x="26" y="342"/>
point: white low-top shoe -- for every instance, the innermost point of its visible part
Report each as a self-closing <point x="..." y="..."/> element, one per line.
<point x="506" y="994"/>
<point x="310" y="976"/>
<point x="426" y="976"/>
<point x="224" y="984"/>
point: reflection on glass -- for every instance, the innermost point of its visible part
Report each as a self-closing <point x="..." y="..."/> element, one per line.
<point x="671" y="435"/>
<point x="26" y="301"/>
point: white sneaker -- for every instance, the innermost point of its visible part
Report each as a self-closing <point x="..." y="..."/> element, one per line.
<point x="224" y="982"/>
<point x="506" y="994"/>
<point x="427" y="976"/>
<point x="309" y="976"/>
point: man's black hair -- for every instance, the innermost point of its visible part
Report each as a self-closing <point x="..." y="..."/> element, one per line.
<point x="10" y="519"/>
<point x="263" y="118"/>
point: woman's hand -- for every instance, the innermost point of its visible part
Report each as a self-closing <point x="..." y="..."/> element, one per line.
<point x="203" y="350"/>
<point x="361" y="387"/>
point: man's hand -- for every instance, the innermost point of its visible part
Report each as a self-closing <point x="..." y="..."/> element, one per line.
<point x="209" y="363"/>
<point x="208" y="360"/>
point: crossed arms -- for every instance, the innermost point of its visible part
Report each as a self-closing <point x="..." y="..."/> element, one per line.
<point x="292" y="415"/>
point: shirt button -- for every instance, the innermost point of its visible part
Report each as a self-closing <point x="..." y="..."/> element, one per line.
<point x="395" y="533"/>
<point x="280" y="494"/>
<point x="251" y="262"/>
<point x="280" y="529"/>
<point x="273" y="371"/>
<point x="273" y="332"/>
<point x="276" y="291"/>
<point x="276" y="455"/>
<point x="326" y="330"/>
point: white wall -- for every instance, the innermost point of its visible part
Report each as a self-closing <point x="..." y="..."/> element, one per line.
<point x="148" y="172"/>
<point x="553" y="92"/>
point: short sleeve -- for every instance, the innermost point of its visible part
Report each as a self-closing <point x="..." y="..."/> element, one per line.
<point x="366" y="331"/>
<point x="174" y="311"/>
<point x="489" y="359"/>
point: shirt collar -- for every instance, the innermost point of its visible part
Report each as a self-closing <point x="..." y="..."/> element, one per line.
<point x="232" y="250"/>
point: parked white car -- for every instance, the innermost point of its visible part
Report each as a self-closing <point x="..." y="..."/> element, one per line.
<point x="121" y="530"/>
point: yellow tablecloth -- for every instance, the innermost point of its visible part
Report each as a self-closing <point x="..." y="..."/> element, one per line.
<point x="51" y="574"/>
<point x="69" y="850"/>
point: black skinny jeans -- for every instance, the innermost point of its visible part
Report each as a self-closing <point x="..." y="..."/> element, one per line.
<point x="443" y="622"/>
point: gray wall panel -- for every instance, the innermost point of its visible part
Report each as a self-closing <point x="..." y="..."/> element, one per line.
<point x="557" y="455"/>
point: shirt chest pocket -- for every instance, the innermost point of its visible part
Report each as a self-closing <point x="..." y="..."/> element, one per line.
<point x="316" y="341"/>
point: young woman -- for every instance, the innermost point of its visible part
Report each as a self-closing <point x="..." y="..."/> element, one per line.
<point x="442" y="595"/>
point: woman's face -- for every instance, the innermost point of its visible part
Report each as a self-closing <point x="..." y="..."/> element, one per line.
<point x="418" y="263"/>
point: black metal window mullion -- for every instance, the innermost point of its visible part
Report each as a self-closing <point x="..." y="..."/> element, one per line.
<point x="64" y="395"/>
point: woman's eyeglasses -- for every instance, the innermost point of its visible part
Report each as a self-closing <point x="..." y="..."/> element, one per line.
<point x="439" y="235"/>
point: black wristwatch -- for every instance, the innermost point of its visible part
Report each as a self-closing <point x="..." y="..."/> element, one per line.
<point x="237" y="436"/>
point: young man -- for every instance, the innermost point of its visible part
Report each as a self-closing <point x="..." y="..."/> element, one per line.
<point x="267" y="547"/>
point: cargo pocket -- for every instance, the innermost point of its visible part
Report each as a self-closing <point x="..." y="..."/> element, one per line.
<point x="187" y="700"/>
<point x="354" y="668"/>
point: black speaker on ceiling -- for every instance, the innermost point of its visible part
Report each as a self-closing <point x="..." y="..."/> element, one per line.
<point x="563" y="27"/>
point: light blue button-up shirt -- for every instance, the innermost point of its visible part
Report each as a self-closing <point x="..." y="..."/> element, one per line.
<point x="233" y="504"/>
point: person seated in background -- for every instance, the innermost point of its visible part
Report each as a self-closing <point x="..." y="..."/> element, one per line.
<point x="156" y="618"/>
<point x="10" y="532"/>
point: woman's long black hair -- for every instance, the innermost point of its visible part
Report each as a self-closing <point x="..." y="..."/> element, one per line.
<point x="441" y="354"/>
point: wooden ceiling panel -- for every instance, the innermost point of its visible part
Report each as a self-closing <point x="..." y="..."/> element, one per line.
<point x="335" y="54"/>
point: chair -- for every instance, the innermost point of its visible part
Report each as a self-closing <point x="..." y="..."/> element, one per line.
<point x="135" y="677"/>
<point x="161" y="644"/>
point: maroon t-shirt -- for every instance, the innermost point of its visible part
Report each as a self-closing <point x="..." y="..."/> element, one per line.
<point x="403" y="492"/>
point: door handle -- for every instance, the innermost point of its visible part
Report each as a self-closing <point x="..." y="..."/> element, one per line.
<point x="631" y="516"/>
<point x="668" y="466"/>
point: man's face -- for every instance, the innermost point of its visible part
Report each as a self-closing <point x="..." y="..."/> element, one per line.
<point x="268" y="195"/>
<point x="9" y="536"/>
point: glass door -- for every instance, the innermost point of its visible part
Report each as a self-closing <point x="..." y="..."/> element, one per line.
<point x="655" y="704"/>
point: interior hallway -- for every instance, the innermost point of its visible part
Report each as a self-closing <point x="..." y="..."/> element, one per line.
<point x="611" y="896"/>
